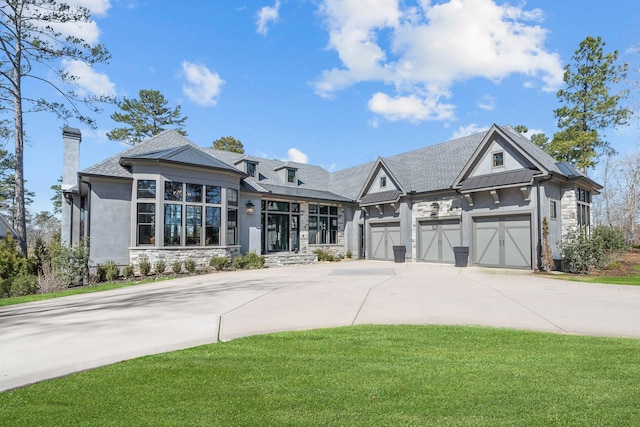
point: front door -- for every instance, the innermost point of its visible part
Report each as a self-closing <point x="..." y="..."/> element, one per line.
<point x="277" y="232"/>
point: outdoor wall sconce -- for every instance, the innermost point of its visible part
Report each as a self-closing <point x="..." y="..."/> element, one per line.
<point x="250" y="207"/>
<point x="435" y="208"/>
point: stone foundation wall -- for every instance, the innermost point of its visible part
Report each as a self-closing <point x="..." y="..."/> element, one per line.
<point x="335" y="250"/>
<point x="170" y="255"/>
<point x="289" y="259"/>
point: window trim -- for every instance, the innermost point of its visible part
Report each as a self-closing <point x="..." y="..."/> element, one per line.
<point x="494" y="158"/>
<point x="553" y="209"/>
<point x="383" y="182"/>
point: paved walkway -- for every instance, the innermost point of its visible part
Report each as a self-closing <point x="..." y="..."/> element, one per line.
<point x="56" y="337"/>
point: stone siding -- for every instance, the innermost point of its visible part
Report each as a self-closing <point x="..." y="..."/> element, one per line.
<point x="170" y="255"/>
<point x="569" y="210"/>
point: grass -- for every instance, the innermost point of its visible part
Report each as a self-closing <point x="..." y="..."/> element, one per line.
<point x="356" y="376"/>
<point x="77" y="291"/>
<point x="631" y="279"/>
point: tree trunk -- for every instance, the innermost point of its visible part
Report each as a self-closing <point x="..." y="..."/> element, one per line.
<point x="20" y="214"/>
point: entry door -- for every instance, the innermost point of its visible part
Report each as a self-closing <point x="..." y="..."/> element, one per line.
<point x="277" y="232"/>
<point x="436" y="240"/>
<point x="503" y="241"/>
<point x="382" y="238"/>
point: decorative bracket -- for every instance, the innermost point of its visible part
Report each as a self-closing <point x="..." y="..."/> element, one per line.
<point x="526" y="192"/>
<point x="469" y="199"/>
<point x="496" y="196"/>
<point x="396" y="207"/>
<point x="379" y="209"/>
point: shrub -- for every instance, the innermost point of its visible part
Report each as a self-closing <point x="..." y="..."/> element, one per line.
<point x="48" y="281"/>
<point x="12" y="262"/>
<point x="70" y="263"/>
<point x="160" y="266"/>
<point x="249" y="261"/>
<point x="219" y="263"/>
<point x="128" y="271"/>
<point x="190" y="266"/>
<point x="582" y="253"/>
<point x="112" y="271"/>
<point x="5" y="288"/>
<point x="24" y="284"/>
<point x="325" y="256"/>
<point x="176" y="267"/>
<point x="576" y="252"/>
<point x="38" y="258"/>
<point x="101" y="273"/>
<point x="348" y="254"/>
<point x="144" y="266"/>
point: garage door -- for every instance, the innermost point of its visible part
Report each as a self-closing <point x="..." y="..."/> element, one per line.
<point x="436" y="240"/>
<point x="382" y="238"/>
<point x="502" y="241"/>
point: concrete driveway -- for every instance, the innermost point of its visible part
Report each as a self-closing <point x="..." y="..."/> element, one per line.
<point x="57" y="337"/>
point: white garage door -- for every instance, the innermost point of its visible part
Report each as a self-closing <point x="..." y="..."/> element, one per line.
<point x="382" y="238"/>
<point x="502" y="241"/>
<point x="436" y="240"/>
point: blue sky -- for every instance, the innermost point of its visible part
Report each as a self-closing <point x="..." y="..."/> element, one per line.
<point x="334" y="82"/>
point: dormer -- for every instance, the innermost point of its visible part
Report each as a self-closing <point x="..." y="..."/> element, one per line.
<point x="288" y="174"/>
<point x="250" y="167"/>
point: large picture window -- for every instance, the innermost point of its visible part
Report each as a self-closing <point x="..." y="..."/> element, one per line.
<point x="323" y="224"/>
<point x="191" y="214"/>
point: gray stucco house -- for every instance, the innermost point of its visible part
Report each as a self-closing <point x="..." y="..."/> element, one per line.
<point x="170" y="199"/>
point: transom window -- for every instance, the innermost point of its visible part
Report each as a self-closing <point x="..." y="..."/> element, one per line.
<point x="498" y="159"/>
<point x="323" y="224"/>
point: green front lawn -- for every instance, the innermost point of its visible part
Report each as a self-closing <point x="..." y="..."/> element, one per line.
<point x="356" y="376"/>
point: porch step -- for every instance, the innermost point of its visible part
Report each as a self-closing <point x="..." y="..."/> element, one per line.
<point x="274" y="260"/>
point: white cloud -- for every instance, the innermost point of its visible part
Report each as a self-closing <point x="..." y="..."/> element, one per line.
<point x="202" y="86"/>
<point x="487" y="103"/>
<point x="532" y="132"/>
<point x="265" y="16"/>
<point x="412" y="108"/>
<point x="89" y="81"/>
<point x="471" y="129"/>
<point x="422" y="51"/>
<point x="97" y="7"/>
<point x="296" y="155"/>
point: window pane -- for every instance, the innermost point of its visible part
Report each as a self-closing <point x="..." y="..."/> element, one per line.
<point x="194" y="193"/>
<point x="173" y="191"/>
<point x="232" y="197"/>
<point x="313" y="209"/>
<point x="251" y="169"/>
<point x="278" y="206"/>
<point x="295" y="207"/>
<point x="498" y="159"/>
<point x="194" y="225"/>
<point x="146" y="223"/>
<point x="333" y="210"/>
<point x="146" y="189"/>
<point x="212" y="226"/>
<point x="172" y="224"/>
<point x="324" y="229"/>
<point x="291" y="175"/>
<point x="324" y="210"/>
<point x="232" y="227"/>
<point x="213" y="194"/>
<point x="313" y="223"/>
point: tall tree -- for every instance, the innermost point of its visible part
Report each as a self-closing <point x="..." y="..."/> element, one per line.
<point x="32" y="48"/>
<point x="228" y="143"/>
<point x="56" y="199"/>
<point x="589" y="107"/>
<point x="146" y="117"/>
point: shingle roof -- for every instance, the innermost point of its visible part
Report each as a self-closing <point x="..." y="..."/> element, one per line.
<point x="431" y="168"/>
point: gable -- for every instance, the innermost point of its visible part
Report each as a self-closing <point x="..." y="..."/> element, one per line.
<point x="499" y="154"/>
<point x="497" y="157"/>
<point x="382" y="182"/>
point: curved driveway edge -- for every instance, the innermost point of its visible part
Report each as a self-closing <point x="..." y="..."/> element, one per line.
<point x="57" y="337"/>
